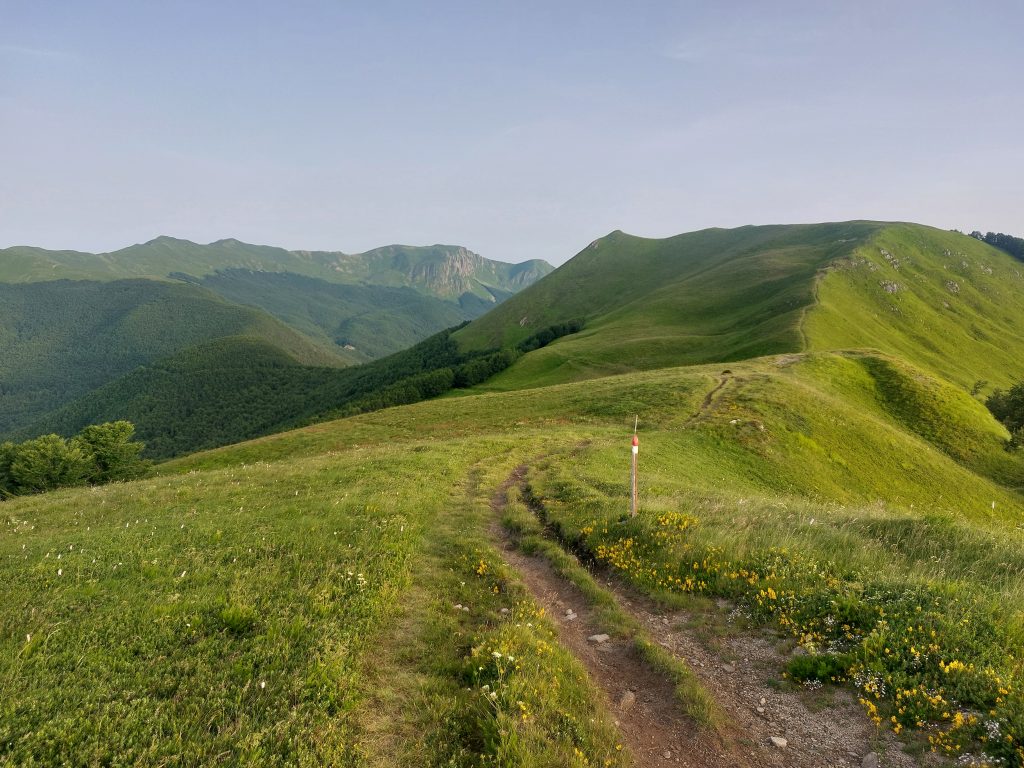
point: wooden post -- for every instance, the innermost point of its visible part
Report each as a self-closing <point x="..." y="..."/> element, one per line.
<point x="632" y="474"/>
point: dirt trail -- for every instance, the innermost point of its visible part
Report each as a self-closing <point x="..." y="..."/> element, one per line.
<point x="653" y="728"/>
<point x="823" y="729"/>
<point x="709" y="398"/>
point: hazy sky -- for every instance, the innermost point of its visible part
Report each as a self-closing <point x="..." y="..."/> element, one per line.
<point x="519" y="129"/>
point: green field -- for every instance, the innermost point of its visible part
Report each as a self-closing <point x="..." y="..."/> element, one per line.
<point x="297" y="611"/>
<point x="833" y="479"/>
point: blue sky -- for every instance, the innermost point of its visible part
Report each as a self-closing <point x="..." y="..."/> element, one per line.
<point x="518" y="129"/>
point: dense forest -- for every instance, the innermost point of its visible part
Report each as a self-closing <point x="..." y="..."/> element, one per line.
<point x="376" y="320"/>
<point x="62" y="339"/>
<point x="238" y="388"/>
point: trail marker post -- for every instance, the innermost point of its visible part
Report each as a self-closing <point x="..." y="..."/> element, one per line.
<point x="632" y="474"/>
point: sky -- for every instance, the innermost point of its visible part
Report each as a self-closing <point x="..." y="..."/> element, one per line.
<point x="518" y="129"/>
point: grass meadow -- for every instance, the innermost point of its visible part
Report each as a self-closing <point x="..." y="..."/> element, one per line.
<point x="890" y="554"/>
<point x="333" y="595"/>
<point x="340" y="608"/>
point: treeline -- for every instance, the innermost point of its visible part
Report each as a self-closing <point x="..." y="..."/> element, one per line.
<point x="100" y="453"/>
<point x="1012" y="245"/>
<point x="239" y="388"/>
<point x="1008" y="407"/>
<point x="444" y="367"/>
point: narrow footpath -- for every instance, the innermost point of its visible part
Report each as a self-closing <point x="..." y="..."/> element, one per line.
<point x="823" y="728"/>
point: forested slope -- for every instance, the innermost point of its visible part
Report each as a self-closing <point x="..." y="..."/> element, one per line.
<point x="62" y="339"/>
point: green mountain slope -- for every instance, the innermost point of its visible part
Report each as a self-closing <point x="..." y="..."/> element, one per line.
<point x="62" y="339"/>
<point x="203" y="396"/>
<point x="444" y="271"/>
<point x="71" y="321"/>
<point x="725" y="295"/>
<point x="368" y="321"/>
<point x="235" y="388"/>
<point x="945" y="301"/>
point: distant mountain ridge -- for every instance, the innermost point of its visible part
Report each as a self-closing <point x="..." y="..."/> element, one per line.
<point x="444" y="271"/>
<point x="448" y="271"/>
<point x="72" y="322"/>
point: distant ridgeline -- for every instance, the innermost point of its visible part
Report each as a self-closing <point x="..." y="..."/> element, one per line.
<point x="239" y="388"/>
<point x="75" y="323"/>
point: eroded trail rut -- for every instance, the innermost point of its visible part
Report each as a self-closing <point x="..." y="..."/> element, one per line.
<point x="825" y="729"/>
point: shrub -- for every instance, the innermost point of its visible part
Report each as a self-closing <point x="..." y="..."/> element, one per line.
<point x="1008" y="407"/>
<point x="115" y="455"/>
<point x="825" y="667"/>
<point x="50" y="462"/>
<point x="100" y="453"/>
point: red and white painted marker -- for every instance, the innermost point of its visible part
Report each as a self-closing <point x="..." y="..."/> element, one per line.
<point x="632" y="473"/>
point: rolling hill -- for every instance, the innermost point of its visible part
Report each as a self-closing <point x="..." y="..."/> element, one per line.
<point x="62" y="339"/>
<point x="369" y="305"/>
<point x="942" y="300"/>
<point x="830" y="529"/>
<point x="709" y="295"/>
<point x="71" y="322"/>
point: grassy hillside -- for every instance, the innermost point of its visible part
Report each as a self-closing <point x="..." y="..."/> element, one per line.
<point x="810" y="459"/>
<point x="894" y="567"/>
<point x="709" y="295"/>
<point x="296" y="613"/>
<point x="325" y="564"/>
<point x="943" y="300"/>
<point x="62" y="339"/>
